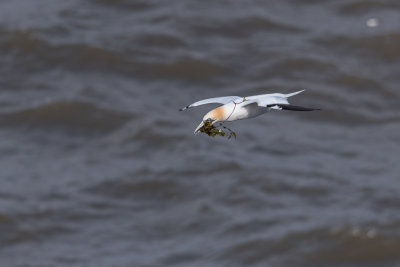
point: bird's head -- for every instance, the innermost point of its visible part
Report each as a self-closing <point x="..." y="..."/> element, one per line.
<point x="206" y="121"/>
<point x="215" y="115"/>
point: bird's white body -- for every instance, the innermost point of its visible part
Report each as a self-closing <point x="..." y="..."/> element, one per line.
<point x="234" y="111"/>
<point x="239" y="108"/>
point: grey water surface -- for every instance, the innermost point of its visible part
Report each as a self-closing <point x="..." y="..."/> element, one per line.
<point x="98" y="167"/>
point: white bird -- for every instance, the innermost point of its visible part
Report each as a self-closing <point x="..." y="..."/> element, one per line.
<point x="239" y="108"/>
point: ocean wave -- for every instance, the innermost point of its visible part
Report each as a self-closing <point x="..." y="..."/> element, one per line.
<point x="363" y="7"/>
<point x="243" y="27"/>
<point x="160" y="40"/>
<point x="125" y="4"/>
<point x="35" y="54"/>
<point x="32" y="54"/>
<point x="356" y="245"/>
<point x="66" y="115"/>
<point x="162" y="189"/>
<point x="12" y="232"/>
<point x="385" y="47"/>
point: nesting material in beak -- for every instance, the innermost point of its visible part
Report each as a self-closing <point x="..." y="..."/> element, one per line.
<point x="208" y="128"/>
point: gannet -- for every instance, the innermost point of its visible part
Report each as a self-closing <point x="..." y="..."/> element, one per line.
<point x="238" y="108"/>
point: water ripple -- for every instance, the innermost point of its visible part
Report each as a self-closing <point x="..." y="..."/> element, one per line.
<point x="67" y="115"/>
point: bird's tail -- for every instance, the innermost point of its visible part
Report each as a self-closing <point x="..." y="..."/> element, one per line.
<point x="295" y="93"/>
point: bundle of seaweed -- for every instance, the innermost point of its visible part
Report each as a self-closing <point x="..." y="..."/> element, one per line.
<point x="209" y="129"/>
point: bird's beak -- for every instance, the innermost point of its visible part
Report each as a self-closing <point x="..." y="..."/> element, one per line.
<point x="198" y="127"/>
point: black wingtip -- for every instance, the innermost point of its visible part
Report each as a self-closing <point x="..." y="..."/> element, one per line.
<point x="182" y="109"/>
<point x="296" y="108"/>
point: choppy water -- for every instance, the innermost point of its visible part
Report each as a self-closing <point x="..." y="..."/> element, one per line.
<point x="99" y="169"/>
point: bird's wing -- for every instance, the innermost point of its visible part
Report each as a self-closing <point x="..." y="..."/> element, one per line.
<point x="219" y="100"/>
<point x="276" y="101"/>
<point x="268" y="100"/>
